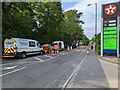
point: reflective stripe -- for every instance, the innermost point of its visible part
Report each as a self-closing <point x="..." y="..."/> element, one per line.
<point x="7" y="56"/>
<point x="9" y="39"/>
<point x="9" y="50"/>
<point x="29" y="48"/>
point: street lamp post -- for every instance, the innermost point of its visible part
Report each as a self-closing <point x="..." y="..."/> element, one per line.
<point x="95" y="23"/>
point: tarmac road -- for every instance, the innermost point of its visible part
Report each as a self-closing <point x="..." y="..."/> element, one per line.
<point x="49" y="71"/>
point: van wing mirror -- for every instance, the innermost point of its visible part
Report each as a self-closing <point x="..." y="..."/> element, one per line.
<point x="40" y="46"/>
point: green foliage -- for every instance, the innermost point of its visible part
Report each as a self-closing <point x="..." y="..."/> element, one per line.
<point x="17" y="20"/>
<point x="85" y="40"/>
<point x="42" y="21"/>
<point x="71" y="26"/>
<point x="98" y="42"/>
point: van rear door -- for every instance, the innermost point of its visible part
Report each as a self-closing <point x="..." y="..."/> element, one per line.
<point x="9" y="45"/>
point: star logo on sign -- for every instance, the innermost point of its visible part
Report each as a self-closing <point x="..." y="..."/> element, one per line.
<point x="110" y="9"/>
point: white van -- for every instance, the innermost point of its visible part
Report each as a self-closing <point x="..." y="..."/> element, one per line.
<point x="60" y="43"/>
<point x="21" y="47"/>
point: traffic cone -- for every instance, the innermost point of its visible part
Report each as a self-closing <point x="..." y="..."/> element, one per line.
<point x="57" y="51"/>
<point x="49" y="51"/>
<point x="52" y="52"/>
<point x="87" y="52"/>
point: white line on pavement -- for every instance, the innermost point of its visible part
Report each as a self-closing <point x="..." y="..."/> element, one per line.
<point x="39" y="59"/>
<point x="12" y="71"/>
<point x="72" y="75"/>
<point x="9" y="67"/>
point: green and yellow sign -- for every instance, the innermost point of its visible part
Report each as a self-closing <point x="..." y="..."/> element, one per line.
<point x="110" y="42"/>
<point x="110" y="30"/>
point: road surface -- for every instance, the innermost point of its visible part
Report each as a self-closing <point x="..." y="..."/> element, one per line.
<point x="62" y="70"/>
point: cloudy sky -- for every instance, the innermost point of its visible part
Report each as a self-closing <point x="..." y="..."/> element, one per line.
<point x="88" y="13"/>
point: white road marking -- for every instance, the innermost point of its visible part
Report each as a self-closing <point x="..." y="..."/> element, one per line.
<point x="48" y="56"/>
<point x="17" y="62"/>
<point x="9" y="67"/>
<point x="74" y="72"/>
<point x="39" y="59"/>
<point x="12" y="71"/>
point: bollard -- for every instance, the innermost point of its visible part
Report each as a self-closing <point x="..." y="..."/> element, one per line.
<point x="68" y="48"/>
<point x="71" y="47"/>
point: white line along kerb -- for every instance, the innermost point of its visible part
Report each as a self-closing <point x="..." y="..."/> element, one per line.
<point x="72" y="75"/>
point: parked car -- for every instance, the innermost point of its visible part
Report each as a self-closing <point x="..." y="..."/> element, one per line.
<point x="21" y="47"/>
<point x="74" y="44"/>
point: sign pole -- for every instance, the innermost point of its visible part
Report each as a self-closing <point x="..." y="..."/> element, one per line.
<point x="102" y="36"/>
<point x="118" y="27"/>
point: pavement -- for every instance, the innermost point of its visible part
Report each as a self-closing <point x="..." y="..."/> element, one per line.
<point x="111" y="72"/>
<point x="90" y="75"/>
<point x="73" y="69"/>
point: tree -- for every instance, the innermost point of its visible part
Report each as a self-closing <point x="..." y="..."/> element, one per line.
<point x="42" y="21"/>
<point x="98" y="42"/>
<point x="49" y="16"/>
<point x="71" y="26"/>
<point x="18" y="19"/>
<point x="85" y="40"/>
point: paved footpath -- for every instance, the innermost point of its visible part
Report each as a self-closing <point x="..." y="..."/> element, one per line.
<point x="111" y="72"/>
<point x="90" y="74"/>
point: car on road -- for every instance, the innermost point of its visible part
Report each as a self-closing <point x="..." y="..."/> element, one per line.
<point x="21" y="47"/>
<point x="74" y="44"/>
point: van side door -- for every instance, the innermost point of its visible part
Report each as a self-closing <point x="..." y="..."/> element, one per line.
<point x="32" y="46"/>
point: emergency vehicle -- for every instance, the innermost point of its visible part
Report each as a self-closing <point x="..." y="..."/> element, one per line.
<point x="21" y="47"/>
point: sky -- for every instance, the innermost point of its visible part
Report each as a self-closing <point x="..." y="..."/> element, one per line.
<point x="88" y="13"/>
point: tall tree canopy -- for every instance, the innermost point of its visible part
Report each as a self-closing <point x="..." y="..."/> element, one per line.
<point x="71" y="26"/>
<point x="42" y="21"/>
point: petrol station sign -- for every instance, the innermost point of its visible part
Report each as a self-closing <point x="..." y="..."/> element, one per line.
<point x="110" y="28"/>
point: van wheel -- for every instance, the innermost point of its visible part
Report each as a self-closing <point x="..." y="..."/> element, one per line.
<point x="41" y="52"/>
<point x="23" y="55"/>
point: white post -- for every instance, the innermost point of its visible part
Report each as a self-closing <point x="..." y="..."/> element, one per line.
<point x="118" y="27"/>
<point x="71" y="47"/>
<point x="102" y="37"/>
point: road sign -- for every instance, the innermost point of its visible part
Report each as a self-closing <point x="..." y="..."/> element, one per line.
<point x="56" y="46"/>
<point x="110" y="28"/>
